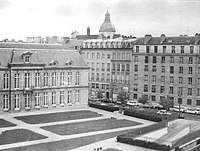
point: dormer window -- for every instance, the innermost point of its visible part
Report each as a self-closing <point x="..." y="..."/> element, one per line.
<point x="69" y="63"/>
<point x="27" y="59"/>
<point x="53" y="63"/>
<point x="26" y="56"/>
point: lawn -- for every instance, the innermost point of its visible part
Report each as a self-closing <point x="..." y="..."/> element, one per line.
<point x="55" y="117"/>
<point x="4" y="123"/>
<point x="18" y="135"/>
<point x="89" y="126"/>
<point x="69" y="144"/>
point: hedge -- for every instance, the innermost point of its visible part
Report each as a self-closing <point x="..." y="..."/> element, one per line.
<point x="143" y="143"/>
<point x="104" y="107"/>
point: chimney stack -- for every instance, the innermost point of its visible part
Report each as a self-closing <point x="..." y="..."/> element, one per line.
<point x="197" y="38"/>
<point x="147" y="38"/>
<point x="88" y="31"/>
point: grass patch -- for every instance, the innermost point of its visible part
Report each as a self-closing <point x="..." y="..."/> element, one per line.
<point x="4" y="123"/>
<point x="19" y="135"/>
<point x="89" y="126"/>
<point x="68" y="144"/>
<point x="55" y="117"/>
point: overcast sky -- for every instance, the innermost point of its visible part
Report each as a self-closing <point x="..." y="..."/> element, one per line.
<point x="22" y="18"/>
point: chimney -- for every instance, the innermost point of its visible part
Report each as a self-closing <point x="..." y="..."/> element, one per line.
<point x="147" y="38"/>
<point x="197" y="38"/>
<point x="162" y="38"/>
<point x="88" y="31"/>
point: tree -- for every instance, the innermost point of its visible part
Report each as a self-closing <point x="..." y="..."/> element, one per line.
<point x="99" y="94"/>
<point x="166" y="102"/>
<point x="122" y="97"/>
<point x="143" y="99"/>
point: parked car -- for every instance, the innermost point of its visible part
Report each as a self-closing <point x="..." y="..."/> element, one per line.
<point x="155" y="105"/>
<point x="163" y="112"/>
<point x="182" y="109"/>
<point x="134" y="103"/>
<point x="192" y="111"/>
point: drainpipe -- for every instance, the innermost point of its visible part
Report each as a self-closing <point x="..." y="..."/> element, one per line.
<point x="10" y="89"/>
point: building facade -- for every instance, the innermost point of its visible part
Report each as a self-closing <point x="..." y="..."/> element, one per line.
<point x="34" y="76"/>
<point x="167" y="66"/>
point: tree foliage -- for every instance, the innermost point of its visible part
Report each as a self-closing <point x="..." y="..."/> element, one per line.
<point x="143" y="99"/>
<point x="122" y="97"/>
<point x="166" y="102"/>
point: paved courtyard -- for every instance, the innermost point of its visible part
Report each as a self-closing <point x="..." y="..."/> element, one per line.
<point x="49" y="137"/>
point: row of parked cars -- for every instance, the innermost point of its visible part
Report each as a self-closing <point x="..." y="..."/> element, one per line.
<point x="186" y="110"/>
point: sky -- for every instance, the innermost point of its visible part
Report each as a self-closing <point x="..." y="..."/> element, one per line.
<point x="24" y="18"/>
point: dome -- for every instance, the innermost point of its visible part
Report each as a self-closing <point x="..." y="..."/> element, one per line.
<point x="107" y="26"/>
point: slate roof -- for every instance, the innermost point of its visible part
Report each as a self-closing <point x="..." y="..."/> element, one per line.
<point x="183" y="40"/>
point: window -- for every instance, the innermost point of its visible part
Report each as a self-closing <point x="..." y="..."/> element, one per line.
<point x="45" y="98"/>
<point x="88" y="55"/>
<point x="191" y="49"/>
<point x="103" y="55"/>
<point x="108" y="66"/>
<point x="135" y="96"/>
<point x="198" y="70"/>
<point x="190" y="60"/>
<point x="171" y="79"/>
<point x="189" y="101"/>
<point x="93" y="66"/>
<point x="181" y="70"/>
<point x="127" y="67"/>
<point x="128" y="56"/>
<point x="180" y="80"/>
<point x="92" y="77"/>
<point x="123" y="55"/>
<point x="197" y="102"/>
<point x="171" y="59"/>
<point x="103" y="67"/>
<point x="113" y="67"/>
<point x="108" y="56"/>
<point x="147" y="49"/>
<point x="155" y="49"/>
<point x="153" y="78"/>
<point x="189" y="91"/>
<point x="162" y="79"/>
<point x="97" y="77"/>
<point x="5" y="102"/>
<point x="163" y="69"/>
<point x="146" y="68"/>
<point x="97" y="67"/>
<point x="171" y="90"/>
<point x="190" y="80"/>
<point x="154" y="88"/>
<point x="16" y="80"/>
<point x="102" y="76"/>
<point x="26" y="59"/>
<point x="54" y="79"/>
<point x="53" y="98"/>
<point x="27" y="100"/>
<point x="114" y="55"/>
<point x="136" y="59"/>
<point x="154" y="69"/>
<point x="154" y="59"/>
<point x="98" y="55"/>
<point x="171" y="69"/>
<point x="37" y="99"/>
<point x="93" y="55"/>
<point x="145" y="88"/>
<point x="77" y="78"/>
<point x="146" y="78"/>
<point x="198" y="81"/>
<point x="198" y="92"/>
<point x="27" y="80"/>
<point x="17" y="103"/>
<point x="93" y="85"/>
<point x="108" y="77"/>
<point x="69" y="97"/>
<point x="135" y="77"/>
<point x="62" y="97"/>
<point x="118" y="67"/>
<point x="182" y="49"/>
<point x="180" y="101"/>
<point x="137" y="49"/>
<point x="77" y="96"/>
<point x="173" y="49"/>
<point x="164" y="49"/>
<point x="69" y="78"/>
<point x="180" y="91"/>
<point x="118" y="55"/>
<point x="181" y="60"/>
<point x="135" y="87"/>
<point x="190" y="70"/>
<point x="146" y="60"/>
<point x="162" y="89"/>
<point x="153" y="98"/>
<point x="5" y="81"/>
<point x="162" y="59"/>
<point x="136" y="68"/>
<point x="37" y="80"/>
<point x="45" y="79"/>
<point x="123" y="67"/>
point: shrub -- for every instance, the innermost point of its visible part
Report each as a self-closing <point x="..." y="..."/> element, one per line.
<point x="104" y="107"/>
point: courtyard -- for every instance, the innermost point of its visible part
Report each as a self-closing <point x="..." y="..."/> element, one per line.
<point x="63" y="129"/>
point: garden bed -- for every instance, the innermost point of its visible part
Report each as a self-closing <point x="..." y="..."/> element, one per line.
<point x="4" y="123"/>
<point x="56" y="117"/>
<point x="104" y="107"/>
<point x="89" y="126"/>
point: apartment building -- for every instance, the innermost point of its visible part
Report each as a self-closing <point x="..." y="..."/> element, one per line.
<point x="167" y="66"/>
<point x="38" y="76"/>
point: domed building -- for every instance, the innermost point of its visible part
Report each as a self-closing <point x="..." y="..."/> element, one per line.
<point x="107" y="29"/>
